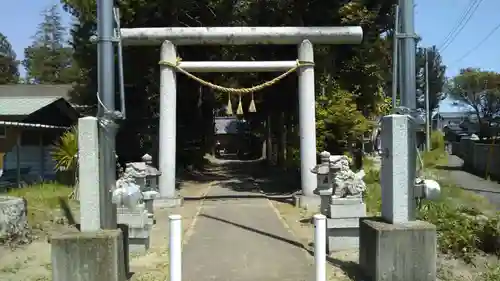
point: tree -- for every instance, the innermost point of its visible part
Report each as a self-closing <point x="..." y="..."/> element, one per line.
<point x="437" y="77"/>
<point x="358" y="70"/>
<point x="481" y="91"/>
<point x="49" y="60"/>
<point x="9" y="73"/>
<point x="338" y="121"/>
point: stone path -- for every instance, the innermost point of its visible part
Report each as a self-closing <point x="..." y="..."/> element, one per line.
<point x="242" y="239"/>
<point x="486" y="188"/>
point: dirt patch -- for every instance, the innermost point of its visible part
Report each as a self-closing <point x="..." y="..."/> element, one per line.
<point x="33" y="262"/>
<point x="344" y="265"/>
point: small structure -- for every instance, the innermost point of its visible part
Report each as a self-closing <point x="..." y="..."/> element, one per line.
<point x="32" y="117"/>
<point x="341" y="193"/>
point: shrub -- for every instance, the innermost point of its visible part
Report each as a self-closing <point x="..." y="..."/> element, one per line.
<point x="462" y="228"/>
<point x="437" y="140"/>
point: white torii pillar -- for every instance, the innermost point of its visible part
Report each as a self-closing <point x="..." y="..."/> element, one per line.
<point x="304" y="37"/>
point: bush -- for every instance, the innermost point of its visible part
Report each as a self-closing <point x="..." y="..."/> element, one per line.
<point x="462" y="228"/>
<point x="461" y="232"/>
<point x="437" y="140"/>
<point x="434" y="158"/>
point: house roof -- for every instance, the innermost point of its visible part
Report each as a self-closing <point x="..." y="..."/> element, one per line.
<point x="24" y="105"/>
<point x="458" y="114"/>
<point x="28" y="90"/>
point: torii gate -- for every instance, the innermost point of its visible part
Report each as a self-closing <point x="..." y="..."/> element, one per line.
<point x="304" y="37"/>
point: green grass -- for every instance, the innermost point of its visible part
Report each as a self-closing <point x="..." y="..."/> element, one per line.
<point x="42" y="200"/>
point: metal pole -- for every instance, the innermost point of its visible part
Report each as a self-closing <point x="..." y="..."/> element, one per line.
<point x="408" y="44"/>
<point x="427" y="104"/>
<point x="175" y="247"/>
<point x="395" y="58"/>
<point x="123" y="109"/>
<point x="320" y="246"/>
<point x="106" y="107"/>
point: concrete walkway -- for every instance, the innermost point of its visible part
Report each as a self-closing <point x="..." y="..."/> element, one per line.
<point x="242" y="239"/>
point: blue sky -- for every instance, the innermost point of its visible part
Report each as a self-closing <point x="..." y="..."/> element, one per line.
<point x="433" y="20"/>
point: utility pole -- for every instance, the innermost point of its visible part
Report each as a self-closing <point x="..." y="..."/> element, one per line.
<point x="106" y="111"/>
<point x="427" y="104"/>
<point x="408" y="46"/>
<point x="395" y="54"/>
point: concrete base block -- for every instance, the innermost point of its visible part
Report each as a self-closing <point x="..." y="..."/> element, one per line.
<point x="396" y="252"/>
<point x="138" y="245"/>
<point x="340" y="239"/>
<point x="163" y="202"/>
<point x="347" y="211"/>
<point x="88" y="256"/>
<point x="311" y="203"/>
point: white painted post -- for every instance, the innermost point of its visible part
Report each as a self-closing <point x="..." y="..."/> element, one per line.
<point x="307" y="119"/>
<point x="168" y="105"/>
<point x="88" y="171"/>
<point x="397" y="176"/>
<point x="320" y="246"/>
<point x="175" y="247"/>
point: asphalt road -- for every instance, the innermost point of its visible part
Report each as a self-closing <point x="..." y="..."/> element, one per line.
<point x="486" y="188"/>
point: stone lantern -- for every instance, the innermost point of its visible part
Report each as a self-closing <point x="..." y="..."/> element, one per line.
<point x="152" y="174"/>
<point x="324" y="174"/>
<point x="325" y="181"/>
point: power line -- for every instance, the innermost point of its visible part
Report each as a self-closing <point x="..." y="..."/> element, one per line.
<point x="479" y="44"/>
<point x="458" y="23"/>
<point x="466" y="17"/>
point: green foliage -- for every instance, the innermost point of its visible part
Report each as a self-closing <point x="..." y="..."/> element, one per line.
<point x="460" y="233"/>
<point x="338" y="120"/>
<point x="437" y="77"/>
<point x="65" y="151"/>
<point x="9" y="74"/>
<point x="42" y="200"/>
<point x="360" y="70"/>
<point x="48" y="60"/>
<point x="481" y="91"/>
<point x="437" y="140"/>
<point x="463" y="229"/>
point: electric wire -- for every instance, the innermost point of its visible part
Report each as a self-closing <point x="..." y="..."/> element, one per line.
<point x="478" y="44"/>
<point x="461" y="24"/>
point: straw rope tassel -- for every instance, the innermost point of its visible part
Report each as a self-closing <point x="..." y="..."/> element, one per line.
<point x="239" y="111"/>
<point x="252" y="107"/>
<point x="229" y="108"/>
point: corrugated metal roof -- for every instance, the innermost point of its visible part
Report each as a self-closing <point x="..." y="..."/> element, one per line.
<point x="28" y="90"/>
<point x="23" y="105"/>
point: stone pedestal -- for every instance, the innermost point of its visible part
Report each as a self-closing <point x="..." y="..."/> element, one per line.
<point x="148" y="198"/>
<point x="88" y="256"/>
<point x="139" y="224"/>
<point x="396" y="252"/>
<point x="342" y="225"/>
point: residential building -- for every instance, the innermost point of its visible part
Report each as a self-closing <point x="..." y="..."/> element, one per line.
<point x="32" y="118"/>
